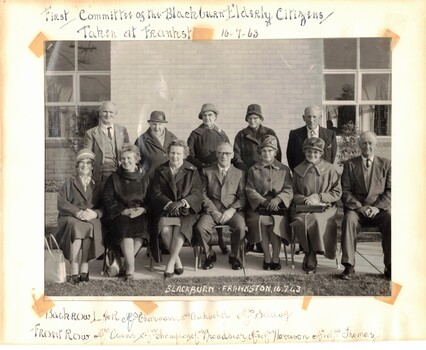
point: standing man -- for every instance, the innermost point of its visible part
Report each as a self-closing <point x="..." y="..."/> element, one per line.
<point x="154" y="141"/>
<point x="366" y="185"/>
<point x="105" y="141"/>
<point x="311" y="117"/>
<point x="248" y="140"/>
<point x="223" y="203"/>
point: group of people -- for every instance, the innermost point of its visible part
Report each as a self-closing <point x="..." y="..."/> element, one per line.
<point x="167" y="192"/>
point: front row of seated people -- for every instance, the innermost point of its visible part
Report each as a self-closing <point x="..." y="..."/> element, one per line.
<point x="177" y="203"/>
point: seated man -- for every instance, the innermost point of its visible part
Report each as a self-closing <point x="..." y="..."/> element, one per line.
<point x="366" y="185"/>
<point x="223" y="203"/>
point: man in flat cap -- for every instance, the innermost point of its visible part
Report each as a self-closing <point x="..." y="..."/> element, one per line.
<point x="223" y="203"/>
<point x="154" y="141"/>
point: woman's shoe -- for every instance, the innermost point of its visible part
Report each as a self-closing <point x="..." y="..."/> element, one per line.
<point x="179" y="271"/>
<point x="275" y="266"/>
<point x="75" y="279"/>
<point x="84" y="277"/>
<point x="168" y="275"/>
<point x="129" y="277"/>
<point x="267" y="266"/>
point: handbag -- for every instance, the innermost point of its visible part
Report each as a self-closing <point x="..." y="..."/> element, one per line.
<point x="113" y="264"/>
<point x="54" y="262"/>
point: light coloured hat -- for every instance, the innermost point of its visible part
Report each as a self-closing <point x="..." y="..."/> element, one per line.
<point x="314" y="143"/>
<point x="207" y="107"/>
<point x="85" y="154"/>
<point x="269" y="141"/>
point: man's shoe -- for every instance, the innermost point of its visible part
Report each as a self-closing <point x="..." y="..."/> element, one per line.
<point x="208" y="263"/>
<point x="346" y="275"/>
<point x="224" y="249"/>
<point x="236" y="264"/>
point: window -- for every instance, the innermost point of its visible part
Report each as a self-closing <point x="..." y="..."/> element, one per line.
<point x="77" y="80"/>
<point x="357" y="84"/>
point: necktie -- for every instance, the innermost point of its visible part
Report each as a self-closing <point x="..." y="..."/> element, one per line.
<point x="109" y="133"/>
<point x="368" y="163"/>
<point x="312" y="133"/>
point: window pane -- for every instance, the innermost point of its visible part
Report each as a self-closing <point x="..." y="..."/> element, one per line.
<point x="95" y="88"/>
<point x="59" y="121"/>
<point x="94" y="55"/>
<point x="59" y="88"/>
<point x="376" y="87"/>
<point x="339" y="86"/>
<point x="59" y="55"/>
<point x="376" y="118"/>
<point x="375" y="53"/>
<point x="339" y="117"/>
<point x="340" y="53"/>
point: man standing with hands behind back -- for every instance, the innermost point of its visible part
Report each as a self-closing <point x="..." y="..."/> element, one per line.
<point x="105" y="141"/>
<point x="366" y="186"/>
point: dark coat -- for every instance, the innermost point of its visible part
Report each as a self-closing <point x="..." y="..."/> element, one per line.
<point x="246" y="147"/>
<point x="166" y="188"/>
<point x="357" y="194"/>
<point x="152" y="152"/>
<point x="123" y="191"/>
<point x="295" y="154"/>
<point x="71" y="199"/>
<point x="202" y="143"/>
<point x="93" y="141"/>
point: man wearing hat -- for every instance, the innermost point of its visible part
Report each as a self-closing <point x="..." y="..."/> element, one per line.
<point x="203" y="141"/>
<point x="366" y="184"/>
<point x="223" y="203"/>
<point x="105" y="141"/>
<point x="154" y="141"/>
<point x="248" y="140"/>
<point x="311" y="117"/>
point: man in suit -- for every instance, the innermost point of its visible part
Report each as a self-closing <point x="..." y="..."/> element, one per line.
<point x="223" y="203"/>
<point x="311" y="117"/>
<point x="366" y="185"/>
<point x="105" y="141"/>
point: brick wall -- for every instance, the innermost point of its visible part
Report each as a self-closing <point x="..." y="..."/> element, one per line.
<point x="60" y="161"/>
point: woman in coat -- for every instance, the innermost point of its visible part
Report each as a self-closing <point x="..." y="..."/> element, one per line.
<point x="125" y="206"/>
<point x="269" y="190"/>
<point x="177" y="195"/>
<point x="79" y="226"/>
<point x="316" y="182"/>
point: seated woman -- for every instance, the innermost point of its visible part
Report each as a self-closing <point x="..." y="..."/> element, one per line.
<point x="79" y="226"/>
<point x="316" y="182"/>
<point x="269" y="192"/>
<point x="177" y="195"/>
<point x="125" y="206"/>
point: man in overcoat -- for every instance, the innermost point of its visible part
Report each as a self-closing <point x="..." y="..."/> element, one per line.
<point x="153" y="142"/>
<point x="105" y="141"/>
<point x="223" y="203"/>
<point x="311" y="117"/>
<point x="366" y="185"/>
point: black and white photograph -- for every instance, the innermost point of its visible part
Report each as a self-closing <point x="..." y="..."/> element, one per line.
<point x="139" y="135"/>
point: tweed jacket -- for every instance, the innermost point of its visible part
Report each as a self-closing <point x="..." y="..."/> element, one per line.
<point x="223" y="194"/>
<point x="152" y="152"/>
<point x="295" y="154"/>
<point x="356" y="193"/>
<point x="246" y="153"/>
<point x="93" y="141"/>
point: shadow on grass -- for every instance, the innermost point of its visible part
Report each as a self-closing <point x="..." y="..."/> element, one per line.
<point x="275" y="285"/>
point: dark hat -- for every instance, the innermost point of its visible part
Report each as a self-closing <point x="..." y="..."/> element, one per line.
<point x="269" y="141"/>
<point x="314" y="143"/>
<point x="158" y="117"/>
<point x="207" y="107"/>
<point x="85" y="154"/>
<point x="254" y="109"/>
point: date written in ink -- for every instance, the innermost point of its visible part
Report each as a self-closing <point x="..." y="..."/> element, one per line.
<point x="239" y="33"/>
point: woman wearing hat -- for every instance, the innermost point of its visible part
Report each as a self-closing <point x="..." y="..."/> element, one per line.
<point x="269" y="192"/>
<point x="316" y="182"/>
<point x="203" y="141"/>
<point x="79" y="226"/>
<point x="125" y="206"/>
<point x="248" y="140"/>
<point x="154" y="141"/>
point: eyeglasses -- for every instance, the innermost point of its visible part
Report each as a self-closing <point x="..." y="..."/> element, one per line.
<point x="228" y="154"/>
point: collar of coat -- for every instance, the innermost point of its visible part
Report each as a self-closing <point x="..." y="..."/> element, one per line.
<point x="186" y="165"/>
<point x="203" y="128"/>
<point x="305" y="166"/>
<point x="260" y="132"/>
<point x="136" y="175"/>
<point x="275" y="164"/>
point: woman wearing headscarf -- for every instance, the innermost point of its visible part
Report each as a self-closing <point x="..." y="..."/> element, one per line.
<point x="316" y="183"/>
